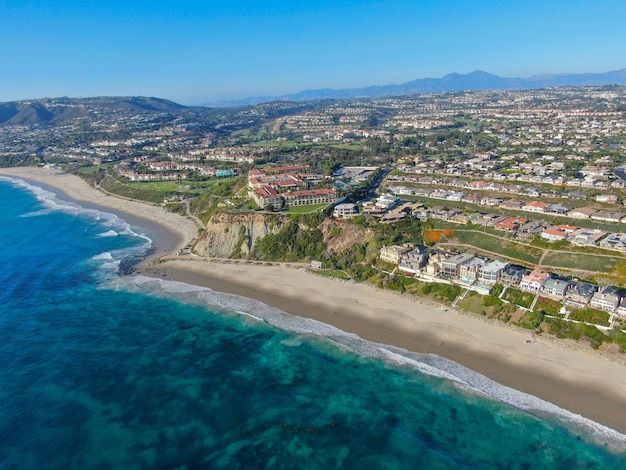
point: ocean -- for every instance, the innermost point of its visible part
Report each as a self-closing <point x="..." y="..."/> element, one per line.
<point x="101" y="369"/>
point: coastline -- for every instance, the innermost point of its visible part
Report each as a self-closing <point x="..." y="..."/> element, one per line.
<point x="172" y="232"/>
<point x="575" y="379"/>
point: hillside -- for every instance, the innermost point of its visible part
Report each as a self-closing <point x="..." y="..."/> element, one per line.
<point x="59" y="110"/>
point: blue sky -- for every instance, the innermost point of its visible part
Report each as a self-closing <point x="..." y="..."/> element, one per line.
<point x="196" y="51"/>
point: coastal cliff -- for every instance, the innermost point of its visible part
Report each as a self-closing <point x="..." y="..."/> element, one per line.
<point x="229" y="235"/>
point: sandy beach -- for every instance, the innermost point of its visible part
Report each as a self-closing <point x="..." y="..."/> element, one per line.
<point x="172" y="231"/>
<point x="571" y="376"/>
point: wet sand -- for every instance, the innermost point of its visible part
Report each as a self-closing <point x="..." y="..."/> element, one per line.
<point x="571" y="376"/>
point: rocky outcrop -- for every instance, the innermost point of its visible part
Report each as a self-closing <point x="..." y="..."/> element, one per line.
<point x="234" y="235"/>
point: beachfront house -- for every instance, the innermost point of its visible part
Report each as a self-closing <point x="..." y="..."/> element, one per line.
<point x="533" y="281"/>
<point x="556" y="287"/>
<point x="490" y="273"/>
<point x="413" y="261"/>
<point x="451" y="268"/>
<point x="512" y="275"/>
<point x="469" y="271"/>
<point x="579" y="294"/>
<point x="435" y="262"/>
<point x="392" y="254"/>
<point x="621" y="309"/>
<point x="606" y="299"/>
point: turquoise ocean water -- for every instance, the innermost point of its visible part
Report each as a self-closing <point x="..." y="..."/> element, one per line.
<point x="103" y="370"/>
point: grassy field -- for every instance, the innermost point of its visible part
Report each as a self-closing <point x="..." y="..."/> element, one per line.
<point x="192" y="187"/>
<point x="582" y="261"/>
<point x="305" y="209"/>
<point x="493" y="244"/>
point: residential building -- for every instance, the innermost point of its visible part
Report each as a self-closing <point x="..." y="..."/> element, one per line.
<point x="553" y="234"/>
<point x="345" y="210"/>
<point x="510" y="224"/>
<point x="535" y="206"/>
<point x="609" y="198"/>
<point x="579" y="294"/>
<point x="586" y="236"/>
<point x="607" y="216"/>
<point x="614" y="241"/>
<point x="621" y="309"/>
<point x="470" y="270"/>
<point x="490" y="273"/>
<point x="452" y="266"/>
<point x="512" y="274"/>
<point x="581" y="213"/>
<point x="435" y="262"/>
<point x="392" y="254"/>
<point x="606" y="299"/>
<point x="556" y="287"/>
<point x="413" y="261"/>
<point x="534" y="281"/>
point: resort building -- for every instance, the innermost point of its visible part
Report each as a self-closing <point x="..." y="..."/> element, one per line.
<point x="309" y="197"/>
<point x="267" y="197"/>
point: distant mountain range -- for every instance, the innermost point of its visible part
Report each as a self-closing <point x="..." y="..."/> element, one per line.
<point x="477" y="80"/>
<point x="55" y="110"/>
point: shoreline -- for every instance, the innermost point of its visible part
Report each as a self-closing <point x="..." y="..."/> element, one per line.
<point x="572" y="378"/>
<point x="568" y="377"/>
<point x="171" y="232"/>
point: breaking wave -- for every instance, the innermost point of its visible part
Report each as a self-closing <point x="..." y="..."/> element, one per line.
<point x="462" y="377"/>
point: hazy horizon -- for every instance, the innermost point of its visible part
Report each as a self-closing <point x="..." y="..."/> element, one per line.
<point x="195" y="53"/>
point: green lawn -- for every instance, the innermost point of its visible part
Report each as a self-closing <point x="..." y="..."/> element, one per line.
<point x="193" y="187"/>
<point x="582" y="261"/>
<point x="305" y="209"/>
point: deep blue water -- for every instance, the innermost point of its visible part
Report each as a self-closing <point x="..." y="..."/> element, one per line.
<point x="99" y="370"/>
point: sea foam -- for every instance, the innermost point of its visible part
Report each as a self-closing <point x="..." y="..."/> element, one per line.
<point x="110" y="262"/>
<point x="462" y="377"/>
